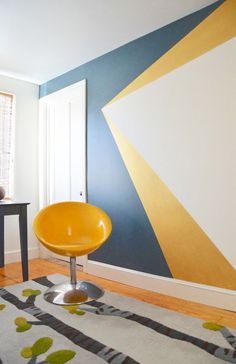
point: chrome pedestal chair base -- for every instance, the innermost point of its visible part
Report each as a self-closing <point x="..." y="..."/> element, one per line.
<point x="73" y="292"/>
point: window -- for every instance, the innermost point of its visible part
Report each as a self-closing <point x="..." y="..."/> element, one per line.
<point x="6" y="142"/>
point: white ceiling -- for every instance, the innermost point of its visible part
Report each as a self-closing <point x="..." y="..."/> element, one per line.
<point x="41" y="39"/>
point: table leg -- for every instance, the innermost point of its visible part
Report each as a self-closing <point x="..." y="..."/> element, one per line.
<point x="1" y="241"/>
<point x="24" y="241"/>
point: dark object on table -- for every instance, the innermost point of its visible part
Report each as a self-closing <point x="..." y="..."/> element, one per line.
<point x="2" y="193"/>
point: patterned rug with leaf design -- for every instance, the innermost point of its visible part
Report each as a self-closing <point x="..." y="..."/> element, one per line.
<point x="116" y="329"/>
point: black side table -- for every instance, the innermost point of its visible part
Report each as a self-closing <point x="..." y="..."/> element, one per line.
<point x="8" y="207"/>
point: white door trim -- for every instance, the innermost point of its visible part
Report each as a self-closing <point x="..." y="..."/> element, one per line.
<point x="74" y="97"/>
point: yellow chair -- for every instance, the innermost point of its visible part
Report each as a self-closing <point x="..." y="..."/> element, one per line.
<point x="72" y="229"/>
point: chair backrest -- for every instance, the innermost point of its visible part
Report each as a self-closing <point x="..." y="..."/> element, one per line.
<point x="72" y="223"/>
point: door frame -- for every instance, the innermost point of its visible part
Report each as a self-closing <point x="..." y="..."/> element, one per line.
<point x="46" y="131"/>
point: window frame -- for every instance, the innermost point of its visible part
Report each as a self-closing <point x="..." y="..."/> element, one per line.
<point x="12" y="149"/>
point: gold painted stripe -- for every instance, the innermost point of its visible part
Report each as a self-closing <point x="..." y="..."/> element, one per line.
<point x="216" y="29"/>
<point x="190" y="254"/>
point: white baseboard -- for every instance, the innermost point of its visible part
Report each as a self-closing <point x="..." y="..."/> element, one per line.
<point x="43" y="252"/>
<point x="46" y="254"/>
<point x="208" y="295"/>
<point x="15" y="255"/>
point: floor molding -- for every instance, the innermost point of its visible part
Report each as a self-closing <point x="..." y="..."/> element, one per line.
<point x="212" y="296"/>
<point x="15" y="255"/>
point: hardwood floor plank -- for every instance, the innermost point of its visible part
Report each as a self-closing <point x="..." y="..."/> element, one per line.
<point x="11" y="274"/>
<point x="5" y="281"/>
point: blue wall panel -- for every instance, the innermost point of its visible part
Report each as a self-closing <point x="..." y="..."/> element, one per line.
<point x="133" y="243"/>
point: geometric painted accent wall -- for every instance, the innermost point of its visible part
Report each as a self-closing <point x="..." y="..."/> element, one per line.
<point x="175" y="127"/>
<point x="157" y="117"/>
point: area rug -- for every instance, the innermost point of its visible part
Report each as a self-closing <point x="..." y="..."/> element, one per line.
<point x="115" y="329"/>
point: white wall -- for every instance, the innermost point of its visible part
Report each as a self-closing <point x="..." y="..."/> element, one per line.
<point x="25" y="163"/>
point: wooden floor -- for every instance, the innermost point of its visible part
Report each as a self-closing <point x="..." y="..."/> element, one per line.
<point x="11" y="274"/>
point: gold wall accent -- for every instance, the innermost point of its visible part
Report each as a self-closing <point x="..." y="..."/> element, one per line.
<point x="190" y="254"/>
<point x="216" y="29"/>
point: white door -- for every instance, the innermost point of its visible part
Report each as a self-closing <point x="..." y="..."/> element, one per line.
<point x="62" y="147"/>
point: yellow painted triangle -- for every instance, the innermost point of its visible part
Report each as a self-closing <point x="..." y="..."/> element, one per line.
<point x="190" y="254"/>
<point x="216" y="29"/>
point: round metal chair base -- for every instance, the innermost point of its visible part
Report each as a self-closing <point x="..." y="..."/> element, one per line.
<point x="73" y="294"/>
